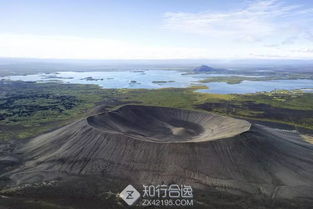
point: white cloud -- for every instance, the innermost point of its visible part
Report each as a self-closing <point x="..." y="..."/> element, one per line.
<point x="88" y="48"/>
<point x="258" y="21"/>
<point x="266" y="28"/>
<point x="33" y="46"/>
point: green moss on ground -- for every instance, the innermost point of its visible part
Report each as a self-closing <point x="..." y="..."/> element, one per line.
<point x="287" y="107"/>
<point x="29" y="109"/>
<point x="238" y="79"/>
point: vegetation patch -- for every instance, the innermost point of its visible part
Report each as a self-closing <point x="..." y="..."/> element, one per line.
<point x="28" y="109"/>
<point x="238" y="79"/>
<point x="288" y="107"/>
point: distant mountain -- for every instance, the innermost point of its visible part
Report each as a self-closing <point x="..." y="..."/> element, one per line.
<point x="204" y="69"/>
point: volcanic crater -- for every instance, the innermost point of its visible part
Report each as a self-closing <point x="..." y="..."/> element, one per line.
<point x="167" y="125"/>
<point x="158" y="145"/>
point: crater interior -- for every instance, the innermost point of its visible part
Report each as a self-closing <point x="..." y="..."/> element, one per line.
<point x="167" y="125"/>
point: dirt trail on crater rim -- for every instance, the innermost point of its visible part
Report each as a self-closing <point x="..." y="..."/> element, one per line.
<point x="154" y="145"/>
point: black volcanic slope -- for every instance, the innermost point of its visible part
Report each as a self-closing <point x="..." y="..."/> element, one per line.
<point x="145" y="145"/>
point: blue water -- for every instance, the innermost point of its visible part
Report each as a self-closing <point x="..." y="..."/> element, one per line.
<point x="257" y="86"/>
<point x="144" y="79"/>
<point x="116" y="79"/>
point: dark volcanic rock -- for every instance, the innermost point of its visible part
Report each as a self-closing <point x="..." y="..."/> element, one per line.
<point x="146" y="145"/>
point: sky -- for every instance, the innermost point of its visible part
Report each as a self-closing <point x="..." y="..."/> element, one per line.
<point x="157" y="29"/>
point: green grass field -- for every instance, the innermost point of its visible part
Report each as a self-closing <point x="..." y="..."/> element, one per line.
<point x="29" y="109"/>
<point x="238" y="79"/>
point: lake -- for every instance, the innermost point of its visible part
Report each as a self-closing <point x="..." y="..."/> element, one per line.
<point x="152" y="79"/>
<point x="257" y="86"/>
